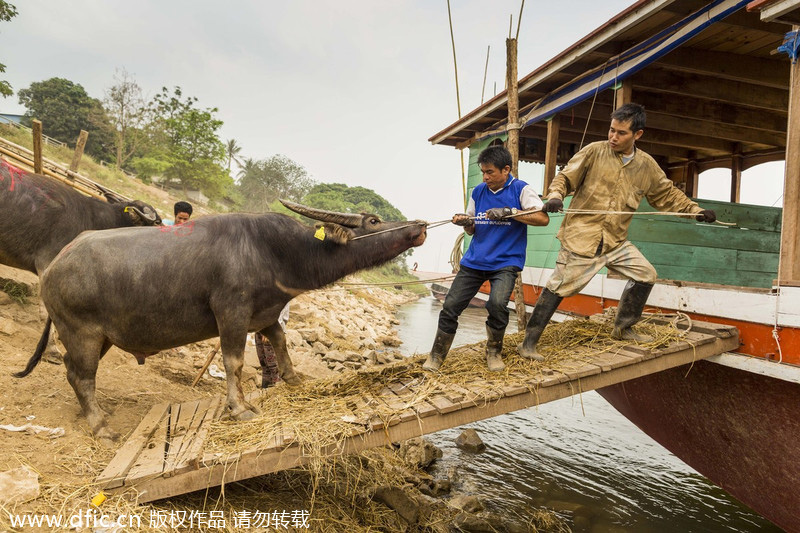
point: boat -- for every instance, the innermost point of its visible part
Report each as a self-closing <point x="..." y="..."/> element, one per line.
<point x="440" y="290"/>
<point x="721" y="86"/>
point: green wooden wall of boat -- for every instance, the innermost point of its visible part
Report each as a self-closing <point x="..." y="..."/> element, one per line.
<point x="743" y="255"/>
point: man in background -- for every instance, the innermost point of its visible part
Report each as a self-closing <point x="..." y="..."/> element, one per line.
<point x="183" y="212"/>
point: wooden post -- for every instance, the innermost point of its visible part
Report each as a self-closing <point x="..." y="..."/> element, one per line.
<point x="691" y="175"/>
<point x="513" y="146"/>
<point x="790" y="227"/>
<point x="37" y="146"/>
<point x="624" y="94"/>
<point x="736" y="175"/>
<point x="551" y="152"/>
<point x="76" y="158"/>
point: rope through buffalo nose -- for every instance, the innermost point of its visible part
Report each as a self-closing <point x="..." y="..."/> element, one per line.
<point x="390" y="229"/>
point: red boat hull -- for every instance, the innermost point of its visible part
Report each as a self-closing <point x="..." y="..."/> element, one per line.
<point x="738" y="428"/>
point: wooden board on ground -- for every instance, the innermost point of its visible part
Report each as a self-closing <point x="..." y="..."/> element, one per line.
<point x="166" y="455"/>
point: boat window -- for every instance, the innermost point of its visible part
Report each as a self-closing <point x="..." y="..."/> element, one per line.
<point x="761" y="185"/>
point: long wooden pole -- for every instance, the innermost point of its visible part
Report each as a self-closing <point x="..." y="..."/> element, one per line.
<point x="789" y="272"/>
<point x="513" y="146"/>
<point x="206" y="365"/>
<point x="76" y="157"/>
<point x="37" y="146"/>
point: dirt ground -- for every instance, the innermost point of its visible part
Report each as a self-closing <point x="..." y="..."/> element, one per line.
<point x="125" y="389"/>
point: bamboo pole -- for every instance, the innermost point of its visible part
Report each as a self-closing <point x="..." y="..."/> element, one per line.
<point x="551" y="152"/>
<point x="513" y="146"/>
<point x="206" y="365"/>
<point x="69" y="177"/>
<point x="789" y="264"/>
<point x="47" y="172"/>
<point x="37" y="146"/>
<point x="76" y="158"/>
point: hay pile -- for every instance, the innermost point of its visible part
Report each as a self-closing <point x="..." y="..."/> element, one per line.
<point x="319" y="414"/>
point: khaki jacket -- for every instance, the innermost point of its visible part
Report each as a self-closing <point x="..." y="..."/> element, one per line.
<point x="599" y="181"/>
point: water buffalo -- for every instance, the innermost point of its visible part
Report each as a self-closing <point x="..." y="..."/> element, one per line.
<point x="41" y="215"/>
<point x="150" y="289"/>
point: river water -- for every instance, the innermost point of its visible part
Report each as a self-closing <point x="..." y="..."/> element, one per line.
<point x="578" y="456"/>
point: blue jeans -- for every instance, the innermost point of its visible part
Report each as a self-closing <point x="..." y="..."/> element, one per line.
<point x="466" y="285"/>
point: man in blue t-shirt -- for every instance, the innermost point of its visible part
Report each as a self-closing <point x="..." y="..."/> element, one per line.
<point x="496" y="253"/>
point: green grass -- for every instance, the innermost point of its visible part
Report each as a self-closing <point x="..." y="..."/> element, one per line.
<point x="19" y="292"/>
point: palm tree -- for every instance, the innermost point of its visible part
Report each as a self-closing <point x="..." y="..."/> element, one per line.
<point x="233" y="150"/>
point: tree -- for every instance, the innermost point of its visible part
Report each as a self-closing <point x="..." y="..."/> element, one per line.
<point x="233" y="149"/>
<point x="262" y="182"/>
<point x="339" y="197"/>
<point x="343" y="199"/>
<point x="7" y="12"/>
<point x="129" y="115"/>
<point x="189" y="143"/>
<point x="65" y="109"/>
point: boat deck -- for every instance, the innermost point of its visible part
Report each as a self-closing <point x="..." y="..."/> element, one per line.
<point x="166" y="454"/>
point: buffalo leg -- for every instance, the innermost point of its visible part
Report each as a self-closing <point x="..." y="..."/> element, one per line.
<point x="232" y="342"/>
<point x="81" y="360"/>
<point x="277" y="338"/>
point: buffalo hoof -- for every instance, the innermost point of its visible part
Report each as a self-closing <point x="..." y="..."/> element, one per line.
<point x="247" y="414"/>
<point x="106" y="437"/>
<point x="292" y="380"/>
<point x="253" y="408"/>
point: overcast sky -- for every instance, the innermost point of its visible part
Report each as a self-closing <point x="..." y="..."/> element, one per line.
<point x="349" y="89"/>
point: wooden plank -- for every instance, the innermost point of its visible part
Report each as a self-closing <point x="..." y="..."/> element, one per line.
<point x="178" y="432"/>
<point x="191" y="452"/>
<point x="443" y="405"/>
<point x="611" y="360"/>
<point x="258" y="462"/>
<point x="114" y="474"/>
<point x="150" y="461"/>
<point x="581" y="370"/>
<point x="425" y="409"/>
<point x="402" y="411"/>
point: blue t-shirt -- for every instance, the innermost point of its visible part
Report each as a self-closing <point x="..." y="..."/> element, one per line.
<point x="497" y="243"/>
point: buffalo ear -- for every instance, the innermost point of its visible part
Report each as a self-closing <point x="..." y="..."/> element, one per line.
<point x="333" y="232"/>
<point x="133" y="215"/>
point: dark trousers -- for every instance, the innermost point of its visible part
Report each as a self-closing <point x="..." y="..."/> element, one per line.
<point x="267" y="360"/>
<point x="466" y="285"/>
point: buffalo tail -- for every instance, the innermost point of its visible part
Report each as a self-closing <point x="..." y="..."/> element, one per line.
<point x="37" y="355"/>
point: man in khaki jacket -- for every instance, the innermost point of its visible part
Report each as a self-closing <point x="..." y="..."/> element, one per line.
<point x="606" y="176"/>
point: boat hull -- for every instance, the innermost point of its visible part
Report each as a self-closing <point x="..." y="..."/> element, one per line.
<point x="738" y="428"/>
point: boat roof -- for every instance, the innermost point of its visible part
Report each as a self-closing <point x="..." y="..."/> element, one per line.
<point x="708" y="74"/>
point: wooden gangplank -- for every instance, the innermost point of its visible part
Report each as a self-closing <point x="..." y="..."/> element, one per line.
<point x="166" y="455"/>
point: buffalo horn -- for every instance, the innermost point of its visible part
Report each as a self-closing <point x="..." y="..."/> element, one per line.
<point x="351" y="220"/>
<point x="150" y="216"/>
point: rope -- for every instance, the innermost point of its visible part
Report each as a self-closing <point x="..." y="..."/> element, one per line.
<point x="395" y="283"/>
<point x="600" y="212"/>
<point x="387" y="230"/>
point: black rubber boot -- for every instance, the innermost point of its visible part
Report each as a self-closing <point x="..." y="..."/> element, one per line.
<point x="269" y="363"/>
<point x="441" y="345"/>
<point x="629" y="311"/>
<point x="543" y="311"/>
<point x="494" y="349"/>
